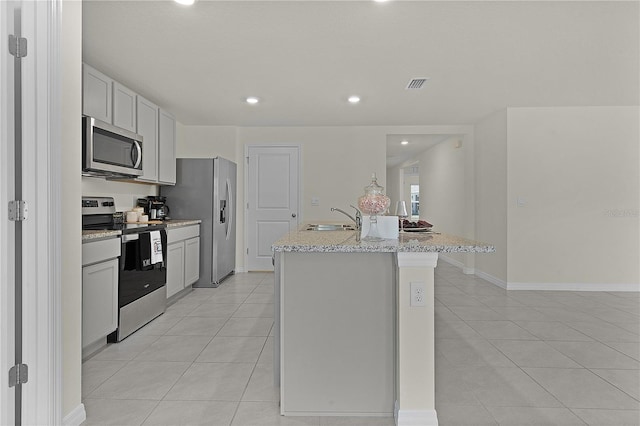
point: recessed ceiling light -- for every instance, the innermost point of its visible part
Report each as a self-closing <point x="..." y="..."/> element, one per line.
<point x="354" y="99"/>
<point x="185" y="2"/>
<point x="380" y="1"/>
<point x="404" y="143"/>
<point x="252" y="100"/>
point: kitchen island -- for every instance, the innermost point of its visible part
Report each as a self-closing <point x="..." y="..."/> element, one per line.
<point x="354" y="325"/>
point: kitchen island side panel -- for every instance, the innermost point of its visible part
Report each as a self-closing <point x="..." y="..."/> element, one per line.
<point x="337" y="340"/>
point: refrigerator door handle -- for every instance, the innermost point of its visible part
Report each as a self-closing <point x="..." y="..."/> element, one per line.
<point x="229" y="208"/>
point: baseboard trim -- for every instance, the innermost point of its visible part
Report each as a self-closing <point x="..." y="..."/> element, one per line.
<point x="239" y="270"/>
<point x="493" y="280"/>
<point x="632" y="287"/>
<point x="416" y="418"/>
<point x="75" y="417"/>
<point x="465" y="269"/>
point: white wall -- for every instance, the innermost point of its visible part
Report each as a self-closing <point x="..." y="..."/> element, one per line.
<point x="491" y="193"/>
<point x="442" y="189"/>
<point x="125" y="194"/>
<point x="206" y="142"/>
<point x="576" y="169"/>
<point x="394" y="186"/>
<point x="71" y="258"/>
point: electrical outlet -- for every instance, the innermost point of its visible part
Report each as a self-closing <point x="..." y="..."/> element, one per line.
<point x="418" y="294"/>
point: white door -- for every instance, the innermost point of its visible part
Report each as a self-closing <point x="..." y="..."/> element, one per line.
<point x="272" y="200"/>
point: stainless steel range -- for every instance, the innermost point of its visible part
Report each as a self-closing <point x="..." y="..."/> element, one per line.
<point x="142" y="290"/>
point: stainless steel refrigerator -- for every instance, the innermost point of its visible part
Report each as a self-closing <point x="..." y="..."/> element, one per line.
<point x="206" y="189"/>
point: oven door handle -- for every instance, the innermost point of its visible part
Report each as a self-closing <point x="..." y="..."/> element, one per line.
<point x="130" y="237"/>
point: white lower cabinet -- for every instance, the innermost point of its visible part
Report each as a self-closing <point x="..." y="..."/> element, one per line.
<point x="99" y="289"/>
<point x="191" y="261"/>
<point x="175" y="268"/>
<point x="183" y="258"/>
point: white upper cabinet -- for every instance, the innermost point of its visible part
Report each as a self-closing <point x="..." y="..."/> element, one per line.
<point x="148" y="127"/>
<point x="96" y="94"/>
<point x="124" y="107"/>
<point x="107" y="100"/>
<point x="167" y="149"/>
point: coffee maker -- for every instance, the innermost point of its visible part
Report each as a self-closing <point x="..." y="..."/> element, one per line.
<point x="155" y="206"/>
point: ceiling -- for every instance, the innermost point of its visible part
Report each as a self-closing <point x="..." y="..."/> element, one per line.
<point x="304" y="58"/>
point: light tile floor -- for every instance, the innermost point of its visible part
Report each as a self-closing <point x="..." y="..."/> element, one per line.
<point x="502" y="358"/>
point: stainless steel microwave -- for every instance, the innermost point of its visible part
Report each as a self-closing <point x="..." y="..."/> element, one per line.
<point x="110" y="151"/>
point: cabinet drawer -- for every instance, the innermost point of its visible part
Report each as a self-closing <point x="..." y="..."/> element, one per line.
<point x="99" y="251"/>
<point x="184" y="233"/>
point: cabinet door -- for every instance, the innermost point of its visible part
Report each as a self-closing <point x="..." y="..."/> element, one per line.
<point x="96" y="94"/>
<point x="191" y="261"/>
<point x="99" y="300"/>
<point x="175" y="268"/>
<point x="148" y="128"/>
<point x="124" y="107"/>
<point x="167" y="148"/>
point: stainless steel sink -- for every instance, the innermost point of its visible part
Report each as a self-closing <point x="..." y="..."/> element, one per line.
<point x="328" y="227"/>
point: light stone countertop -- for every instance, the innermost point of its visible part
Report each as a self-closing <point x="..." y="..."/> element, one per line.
<point x="176" y="223"/>
<point x="345" y="242"/>
<point x="100" y="234"/>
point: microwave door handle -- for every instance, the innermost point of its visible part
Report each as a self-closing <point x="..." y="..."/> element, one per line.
<point x="138" y="157"/>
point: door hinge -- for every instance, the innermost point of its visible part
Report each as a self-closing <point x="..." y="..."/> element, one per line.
<point x="247" y="160"/>
<point x="18" y="210"/>
<point x="247" y="251"/>
<point x="18" y="375"/>
<point x="17" y="46"/>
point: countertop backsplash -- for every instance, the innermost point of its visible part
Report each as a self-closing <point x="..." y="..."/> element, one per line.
<point x="125" y="194"/>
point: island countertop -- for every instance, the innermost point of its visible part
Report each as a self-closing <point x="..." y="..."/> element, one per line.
<point x="345" y="242"/>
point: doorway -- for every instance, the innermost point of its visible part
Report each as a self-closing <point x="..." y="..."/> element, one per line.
<point x="271" y="200"/>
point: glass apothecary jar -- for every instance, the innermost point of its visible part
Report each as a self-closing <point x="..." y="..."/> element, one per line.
<point x="373" y="203"/>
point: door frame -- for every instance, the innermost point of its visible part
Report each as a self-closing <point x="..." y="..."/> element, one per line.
<point x="42" y="167"/>
<point x="245" y="221"/>
<point x="7" y="239"/>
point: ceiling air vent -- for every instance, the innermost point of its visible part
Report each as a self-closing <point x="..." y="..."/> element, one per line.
<point x="416" y="83"/>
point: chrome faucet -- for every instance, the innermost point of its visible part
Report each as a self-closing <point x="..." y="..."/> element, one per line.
<point x="357" y="219"/>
